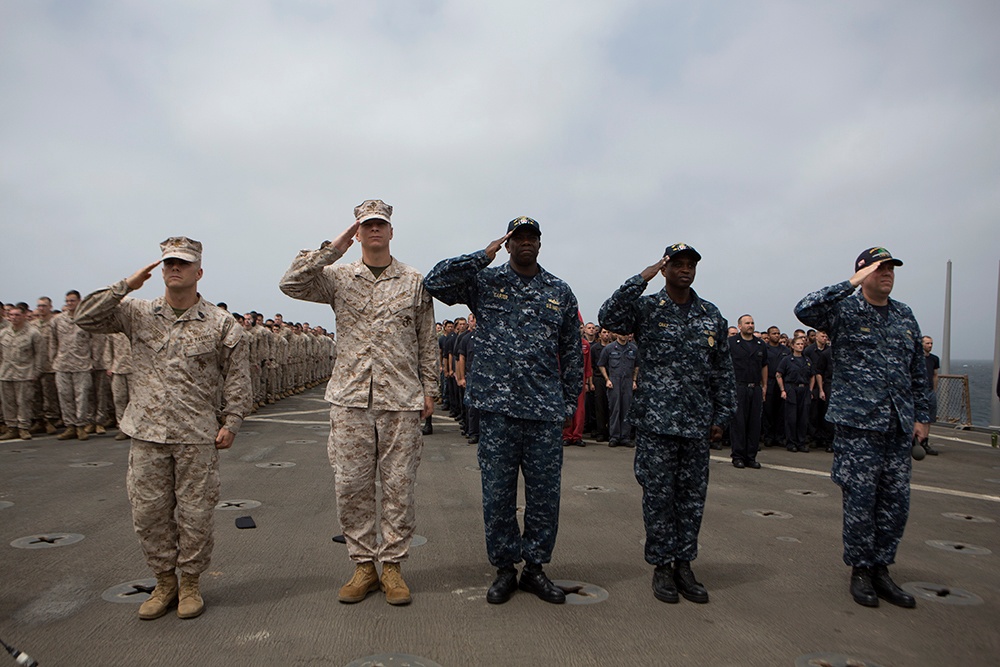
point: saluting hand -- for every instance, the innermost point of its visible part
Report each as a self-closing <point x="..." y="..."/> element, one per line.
<point x="863" y="273"/>
<point x="346" y="239"/>
<point x="650" y="271"/>
<point x="494" y="247"/>
<point x="136" y="280"/>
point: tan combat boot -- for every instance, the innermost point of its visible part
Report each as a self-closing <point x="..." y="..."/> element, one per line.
<point x="81" y="433"/>
<point x="121" y="436"/>
<point x="68" y="434"/>
<point x="364" y="581"/>
<point x="9" y="434"/>
<point x="25" y="434"/>
<point x="50" y="428"/>
<point x="190" y="604"/>
<point x="89" y="428"/>
<point x="100" y="430"/>
<point x="162" y="598"/>
<point x="396" y="591"/>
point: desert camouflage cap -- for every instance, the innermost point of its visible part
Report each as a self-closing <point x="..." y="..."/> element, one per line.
<point x="181" y="247"/>
<point x="373" y="208"/>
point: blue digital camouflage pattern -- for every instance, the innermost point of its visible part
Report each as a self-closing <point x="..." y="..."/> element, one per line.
<point x="881" y="388"/>
<point x="873" y="471"/>
<point x="878" y="364"/>
<point x="672" y="519"/>
<point x="506" y="445"/>
<point x="686" y="381"/>
<point x="529" y="362"/>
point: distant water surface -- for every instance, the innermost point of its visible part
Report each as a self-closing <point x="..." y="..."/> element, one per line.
<point x="982" y="385"/>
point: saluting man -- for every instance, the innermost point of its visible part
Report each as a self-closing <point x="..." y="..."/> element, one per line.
<point x="684" y="397"/>
<point x="879" y="405"/>
<point x="188" y="394"/>
<point x="383" y="386"/>
<point x="526" y="388"/>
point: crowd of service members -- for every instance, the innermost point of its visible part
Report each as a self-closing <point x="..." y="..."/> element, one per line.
<point x="54" y="375"/>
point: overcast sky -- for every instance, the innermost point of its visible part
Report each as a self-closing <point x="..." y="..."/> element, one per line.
<point x="778" y="138"/>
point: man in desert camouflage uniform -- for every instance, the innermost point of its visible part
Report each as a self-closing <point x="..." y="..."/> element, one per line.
<point x="21" y="350"/>
<point x="879" y="405"/>
<point x="190" y="390"/>
<point x="685" y="396"/>
<point x="46" y="395"/>
<point x="69" y="350"/>
<point x="385" y="379"/>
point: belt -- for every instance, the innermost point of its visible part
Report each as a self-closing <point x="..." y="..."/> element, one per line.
<point x="798" y="385"/>
<point x="751" y="384"/>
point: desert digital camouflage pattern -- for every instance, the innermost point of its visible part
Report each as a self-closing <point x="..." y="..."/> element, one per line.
<point x="191" y="373"/>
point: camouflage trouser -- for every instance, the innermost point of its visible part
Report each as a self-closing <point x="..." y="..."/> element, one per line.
<point x="507" y="445"/>
<point x="18" y="403"/>
<point x="76" y="397"/>
<point x="119" y="390"/>
<point x="873" y="471"/>
<point x="104" y="401"/>
<point x="162" y="479"/>
<point x="355" y="453"/>
<point x="673" y="473"/>
<point x="47" y="397"/>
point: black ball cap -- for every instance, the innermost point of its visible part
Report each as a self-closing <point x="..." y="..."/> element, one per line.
<point x="874" y="256"/>
<point x="679" y="249"/>
<point x="524" y="222"/>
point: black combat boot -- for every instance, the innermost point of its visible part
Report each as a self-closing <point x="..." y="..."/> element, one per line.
<point x="664" y="589"/>
<point x="687" y="585"/>
<point x="503" y="586"/>
<point x="861" y="587"/>
<point x="534" y="581"/>
<point x="887" y="589"/>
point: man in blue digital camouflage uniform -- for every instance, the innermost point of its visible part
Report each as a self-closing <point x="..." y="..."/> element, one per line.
<point x="685" y="395"/>
<point x="526" y="388"/>
<point x="880" y="404"/>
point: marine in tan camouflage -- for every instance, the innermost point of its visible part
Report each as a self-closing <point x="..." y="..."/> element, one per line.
<point x="384" y="379"/>
<point x="70" y="353"/>
<point x="182" y="345"/>
<point x="21" y="350"/>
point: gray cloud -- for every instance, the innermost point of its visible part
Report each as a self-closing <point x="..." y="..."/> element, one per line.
<point x="778" y="138"/>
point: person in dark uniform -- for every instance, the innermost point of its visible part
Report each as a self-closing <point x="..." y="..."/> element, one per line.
<point x="465" y="350"/>
<point x="933" y="363"/>
<point x="774" y="425"/>
<point x="795" y="379"/>
<point x="820" y="356"/>
<point x="526" y="388"/>
<point x="601" y="426"/>
<point x="879" y="405"/>
<point x="749" y="355"/>
<point x="684" y="397"/>
<point x="619" y="373"/>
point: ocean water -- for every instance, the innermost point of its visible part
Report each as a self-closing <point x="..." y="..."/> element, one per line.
<point x="982" y="386"/>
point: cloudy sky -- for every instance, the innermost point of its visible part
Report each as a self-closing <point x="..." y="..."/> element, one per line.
<point x="779" y="138"/>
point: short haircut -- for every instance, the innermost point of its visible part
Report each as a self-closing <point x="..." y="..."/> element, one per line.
<point x="73" y="292"/>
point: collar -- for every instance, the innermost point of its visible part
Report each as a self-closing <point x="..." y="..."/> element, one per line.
<point x="195" y="312"/>
<point x="362" y="271"/>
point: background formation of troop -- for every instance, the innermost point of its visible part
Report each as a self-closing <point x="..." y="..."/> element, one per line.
<point x="57" y="377"/>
